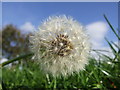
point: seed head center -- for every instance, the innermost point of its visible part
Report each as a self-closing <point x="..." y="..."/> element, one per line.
<point x="61" y="45"/>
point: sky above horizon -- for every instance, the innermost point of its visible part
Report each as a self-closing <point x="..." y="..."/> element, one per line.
<point x="28" y="16"/>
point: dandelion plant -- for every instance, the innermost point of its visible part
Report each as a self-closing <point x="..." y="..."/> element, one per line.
<point x="61" y="46"/>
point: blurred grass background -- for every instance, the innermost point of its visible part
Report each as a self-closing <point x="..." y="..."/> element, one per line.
<point x="99" y="74"/>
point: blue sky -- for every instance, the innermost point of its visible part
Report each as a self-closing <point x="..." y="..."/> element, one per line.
<point x="0" y="15"/>
<point x="89" y="14"/>
<point x="18" y="13"/>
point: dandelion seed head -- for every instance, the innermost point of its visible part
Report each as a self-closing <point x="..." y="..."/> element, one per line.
<point x="61" y="46"/>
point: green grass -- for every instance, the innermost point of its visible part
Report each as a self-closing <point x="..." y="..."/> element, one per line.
<point x="97" y="74"/>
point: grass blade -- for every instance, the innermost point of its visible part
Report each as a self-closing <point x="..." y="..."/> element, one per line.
<point x="111" y="27"/>
<point x="115" y="45"/>
<point x="15" y="59"/>
<point x="114" y="51"/>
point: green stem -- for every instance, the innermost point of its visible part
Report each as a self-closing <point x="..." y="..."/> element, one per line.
<point x="54" y="84"/>
<point x="15" y="59"/>
<point x="111" y="27"/>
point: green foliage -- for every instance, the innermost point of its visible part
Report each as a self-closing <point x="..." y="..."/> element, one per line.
<point x="98" y="74"/>
<point x="30" y="76"/>
<point x="13" y="42"/>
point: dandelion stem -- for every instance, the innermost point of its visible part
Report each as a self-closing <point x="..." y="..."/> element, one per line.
<point x="15" y="59"/>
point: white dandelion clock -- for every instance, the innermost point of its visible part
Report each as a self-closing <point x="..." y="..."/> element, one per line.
<point x="61" y="46"/>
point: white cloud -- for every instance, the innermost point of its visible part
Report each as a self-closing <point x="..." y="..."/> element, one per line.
<point x="97" y="29"/>
<point x="97" y="32"/>
<point x="4" y="60"/>
<point x="27" y="27"/>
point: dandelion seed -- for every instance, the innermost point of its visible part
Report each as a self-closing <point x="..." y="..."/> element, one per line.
<point x="61" y="46"/>
<point x="109" y="63"/>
